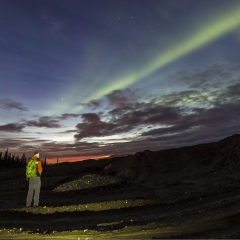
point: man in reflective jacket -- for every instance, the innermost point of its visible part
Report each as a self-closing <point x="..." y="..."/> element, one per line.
<point x="33" y="174"/>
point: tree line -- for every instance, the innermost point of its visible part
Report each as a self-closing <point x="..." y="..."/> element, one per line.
<point x="8" y="160"/>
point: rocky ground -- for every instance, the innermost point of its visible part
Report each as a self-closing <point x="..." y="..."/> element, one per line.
<point x="132" y="197"/>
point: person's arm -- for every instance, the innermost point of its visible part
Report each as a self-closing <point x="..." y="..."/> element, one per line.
<point x="40" y="167"/>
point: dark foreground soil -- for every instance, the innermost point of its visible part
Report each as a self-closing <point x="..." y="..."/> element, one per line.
<point x="98" y="206"/>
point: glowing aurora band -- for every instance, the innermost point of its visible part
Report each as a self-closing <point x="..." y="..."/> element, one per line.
<point x="211" y="31"/>
<point x="215" y="29"/>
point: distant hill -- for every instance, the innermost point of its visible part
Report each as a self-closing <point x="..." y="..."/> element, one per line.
<point x="155" y="167"/>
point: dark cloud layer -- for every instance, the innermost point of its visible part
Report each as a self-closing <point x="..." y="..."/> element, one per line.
<point x="164" y="123"/>
<point x="92" y="126"/>
<point x="44" y="122"/>
<point x="169" y="122"/>
<point x="11" y="104"/>
<point x="11" y="127"/>
<point x="214" y="77"/>
<point x="91" y="104"/>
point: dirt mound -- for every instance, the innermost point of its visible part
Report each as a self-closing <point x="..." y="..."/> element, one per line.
<point x="88" y="182"/>
<point x="228" y="155"/>
<point x="153" y="167"/>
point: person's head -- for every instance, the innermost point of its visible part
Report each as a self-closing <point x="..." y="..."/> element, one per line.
<point x="36" y="155"/>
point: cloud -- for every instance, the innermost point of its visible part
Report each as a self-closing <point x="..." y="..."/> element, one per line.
<point x="10" y="104"/>
<point x="218" y="83"/>
<point x="69" y="131"/>
<point x="203" y="122"/>
<point x="66" y="116"/>
<point x="161" y="122"/>
<point x="122" y="99"/>
<point x="44" y="122"/>
<point x="150" y="114"/>
<point x="92" y="126"/>
<point x="91" y="118"/>
<point x="215" y="76"/>
<point x="9" y="143"/>
<point x="91" y="104"/>
<point x="11" y="127"/>
<point x="232" y="93"/>
<point x="190" y="114"/>
<point x="188" y="99"/>
<point x="125" y="118"/>
<point x="69" y="149"/>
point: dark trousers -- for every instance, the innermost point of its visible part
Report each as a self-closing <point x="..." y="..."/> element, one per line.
<point x="33" y="191"/>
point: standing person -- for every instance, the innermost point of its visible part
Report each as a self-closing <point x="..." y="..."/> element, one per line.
<point x="33" y="175"/>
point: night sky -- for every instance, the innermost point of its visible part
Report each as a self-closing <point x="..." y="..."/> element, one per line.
<point x="89" y="78"/>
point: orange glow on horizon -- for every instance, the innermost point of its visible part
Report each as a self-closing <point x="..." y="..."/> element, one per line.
<point x="73" y="159"/>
